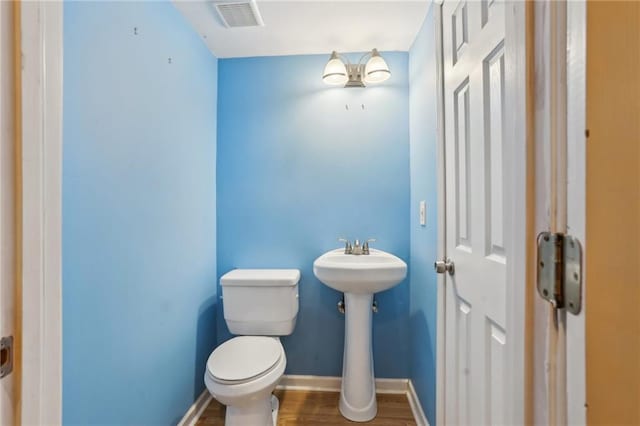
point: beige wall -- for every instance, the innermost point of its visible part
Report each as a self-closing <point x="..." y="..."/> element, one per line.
<point x="613" y="213"/>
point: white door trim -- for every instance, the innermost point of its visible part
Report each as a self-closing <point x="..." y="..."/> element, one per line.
<point x="442" y="222"/>
<point x="42" y="46"/>
<point x="517" y="200"/>
<point x="576" y="201"/>
<point x="519" y="157"/>
<point x="9" y="238"/>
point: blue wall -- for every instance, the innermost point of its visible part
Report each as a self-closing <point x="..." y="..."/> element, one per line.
<point x="423" y="142"/>
<point x="139" y="232"/>
<point x="296" y="169"/>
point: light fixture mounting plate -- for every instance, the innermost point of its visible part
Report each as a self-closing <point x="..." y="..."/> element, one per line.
<point x="356" y="75"/>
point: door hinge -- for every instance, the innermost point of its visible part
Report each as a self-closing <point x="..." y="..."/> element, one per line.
<point x="559" y="278"/>
<point x="6" y="356"/>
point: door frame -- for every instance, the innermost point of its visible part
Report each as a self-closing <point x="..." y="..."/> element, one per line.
<point x="9" y="387"/>
<point x="576" y="370"/>
<point x="40" y="186"/>
<point x="559" y="391"/>
<point x="442" y="223"/>
<point x="518" y="199"/>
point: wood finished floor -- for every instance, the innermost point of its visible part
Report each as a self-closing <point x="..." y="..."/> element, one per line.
<point x="320" y="408"/>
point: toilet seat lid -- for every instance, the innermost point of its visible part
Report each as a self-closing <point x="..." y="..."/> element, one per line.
<point x="243" y="358"/>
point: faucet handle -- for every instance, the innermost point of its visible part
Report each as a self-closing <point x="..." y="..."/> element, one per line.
<point x="365" y="246"/>
<point x="347" y="245"/>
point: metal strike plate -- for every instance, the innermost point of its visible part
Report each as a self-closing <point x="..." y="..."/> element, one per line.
<point x="6" y="356"/>
<point x="560" y="271"/>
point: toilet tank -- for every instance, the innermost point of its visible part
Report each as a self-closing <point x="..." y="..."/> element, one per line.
<point x="260" y="302"/>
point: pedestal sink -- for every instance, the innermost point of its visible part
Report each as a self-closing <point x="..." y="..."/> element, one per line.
<point x="359" y="277"/>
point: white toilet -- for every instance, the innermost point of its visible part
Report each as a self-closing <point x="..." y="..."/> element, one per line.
<point x="259" y="305"/>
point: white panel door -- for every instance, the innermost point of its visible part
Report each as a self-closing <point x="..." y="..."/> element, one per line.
<point x="474" y="81"/>
<point x="7" y="201"/>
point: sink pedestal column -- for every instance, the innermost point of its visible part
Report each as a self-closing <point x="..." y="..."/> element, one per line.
<point x="358" y="394"/>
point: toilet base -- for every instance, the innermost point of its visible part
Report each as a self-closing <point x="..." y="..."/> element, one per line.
<point x="275" y="407"/>
<point x="261" y="412"/>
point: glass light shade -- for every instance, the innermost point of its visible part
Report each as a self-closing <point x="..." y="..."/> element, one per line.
<point x="335" y="72"/>
<point x="376" y="70"/>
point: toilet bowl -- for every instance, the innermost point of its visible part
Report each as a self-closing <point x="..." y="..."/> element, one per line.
<point x="242" y="373"/>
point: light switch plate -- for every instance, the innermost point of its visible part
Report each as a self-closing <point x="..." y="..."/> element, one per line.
<point x="423" y="213"/>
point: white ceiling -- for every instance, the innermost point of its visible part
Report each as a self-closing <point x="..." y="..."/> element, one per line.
<point x="310" y="27"/>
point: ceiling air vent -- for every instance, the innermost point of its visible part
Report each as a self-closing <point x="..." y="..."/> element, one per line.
<point x="243" y="13"/>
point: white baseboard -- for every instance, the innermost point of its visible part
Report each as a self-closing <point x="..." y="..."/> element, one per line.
<point x="195" y="411"/>
<point x="310" y="383"/>
<point x="332" y="384"/>
<point x="322" y="384"/>
<point x="416" y="407"/>
<point x="397" y="386"/>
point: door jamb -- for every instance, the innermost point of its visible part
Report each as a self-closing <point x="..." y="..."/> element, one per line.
<point x="41" y="180"/>
<point x="42" y="46"/>
<point x="576" y="201"/>
<point x="560" y="84"/>
<point x="442" y="223"/>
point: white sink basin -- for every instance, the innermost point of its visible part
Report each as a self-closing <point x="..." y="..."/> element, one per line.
<point x="359" y="277"/>
<point x="363" y="274"/>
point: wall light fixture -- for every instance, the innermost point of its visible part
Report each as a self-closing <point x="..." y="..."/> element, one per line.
<point x="337" y="72"/>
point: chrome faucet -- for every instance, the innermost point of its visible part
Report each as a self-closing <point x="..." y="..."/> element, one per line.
<point x="357" y="248"/>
